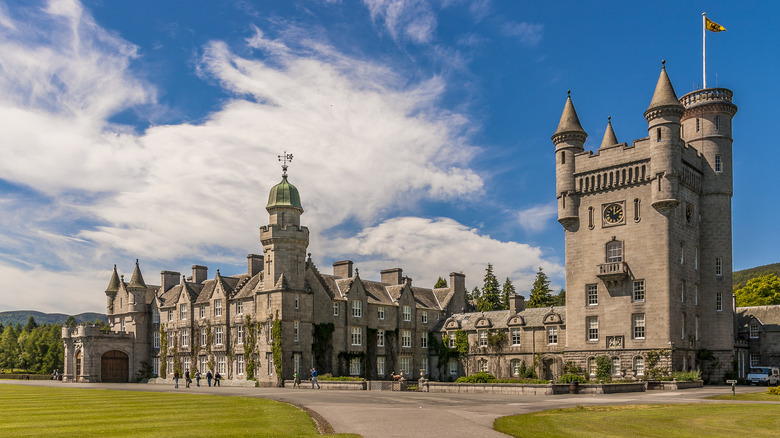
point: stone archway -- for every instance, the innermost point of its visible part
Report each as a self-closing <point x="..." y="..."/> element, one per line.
<point x="114" y="367"/>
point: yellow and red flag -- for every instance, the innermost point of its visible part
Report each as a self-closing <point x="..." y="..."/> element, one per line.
<point x="713" y="26"/>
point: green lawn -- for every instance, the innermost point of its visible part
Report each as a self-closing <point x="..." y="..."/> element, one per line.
<point x="678" y="421"/>
<point x="29" y="411"/>
<point x="751" y="396"/>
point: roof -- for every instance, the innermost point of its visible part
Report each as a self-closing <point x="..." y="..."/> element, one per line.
<point x="533" y="317"/>
<point x="382" y="293"/>
<point x="664" y="95"/>
<point x="113" y="284"/>
<point x="610" y="139"/>
<point x="284" y="194"/>
<point x="569" y="121"/>
<point x="768" y="316"/>
<point x="137" y="279"/>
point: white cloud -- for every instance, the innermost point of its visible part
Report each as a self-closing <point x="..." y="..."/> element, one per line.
<point x="536" y="218"/>
<point x="529" y="34"/>
<point x="412" y="19"/>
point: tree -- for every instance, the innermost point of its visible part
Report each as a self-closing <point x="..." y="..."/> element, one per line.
<point x="506" y="290"/>
<point x="9" y="348"/>
<point x="71" y="321"/>
<point x="540" y="293"/>
<point x="490" y="299"/>
<point x="440" y="283"/>
<point x="560" y="299"/>
<point x="31" y="324"/>
<point x="759" y="291"/>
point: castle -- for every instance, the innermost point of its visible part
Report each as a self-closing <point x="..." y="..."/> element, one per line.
<point x="648" y="273"/>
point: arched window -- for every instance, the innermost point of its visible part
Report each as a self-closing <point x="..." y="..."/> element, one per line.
<point x="636" y="210"/>
<point x="482" y="364"/>
<point x="639" y="366"/>
<point x="563" y="157"/>
<point x="630" y="174"/>
<point x="658" y="133"/>
<point x="614" y="251"/>
<point x="514" y="366"/>
<point x="643" y="172"/>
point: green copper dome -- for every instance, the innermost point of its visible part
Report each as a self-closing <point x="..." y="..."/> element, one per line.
<point x="284" y="194"/>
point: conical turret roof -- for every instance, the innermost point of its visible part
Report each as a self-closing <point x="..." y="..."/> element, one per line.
<point x="610" y="139"/>
<point x="664" y="94"/>
<point x="113" y="284"/>
<point x="569" y="120"/>
<point x="137" y="280"/>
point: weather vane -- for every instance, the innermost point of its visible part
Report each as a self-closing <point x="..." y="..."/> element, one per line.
<point x="285" y="158"/>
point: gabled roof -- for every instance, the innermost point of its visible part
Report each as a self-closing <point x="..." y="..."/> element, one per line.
<point x="768" y="316"/>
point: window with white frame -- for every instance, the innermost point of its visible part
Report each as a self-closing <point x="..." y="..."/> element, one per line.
<point x="169" y="367"/>
<point x="614" y="251"/>
<point x="171" y="338"/>
<point x="203" y="338"/>
<point x="357" y="308"/>
<point x="217" y="308"/>
<point x="682" y="253"/>
<point x="592" y="291"/>
<point x="186" y="363"/>
<point x="424" y="317"/>
<point x="615" y="368"/>
<point x="170" y="315"/>
<point x="219" y="335"/>
<point x="297" y="363"/>
<point x="514" y="366"/>
<point x="754" y="331"/>
<point x="451" y="342"/>
<point x="239" y="307"/>
<point x="482" y="365"/>
<point x="639" y="290"/>
<point x="183" y="312"/>
<point x="357" y="336"/>
<point x="185" y="337"/>
<point x="639" y="365"/>
<point x="696" y="327"/>
<point x="453" y="367"/>
<point x="591" y="366"/>
<point x="202" y="311"/>
<point x="155" y="317"/>
<point x="754" y="360"/>
<point x="638" y="322"/>
<point x="380" y="365"/>
<point x="240" y="334"/>
<point x="696" y="294"/>
<point x="515" y="335"/>
<point x="406" y="338"/>
<point x="380" y="312"/>
<point x="682" y="327"/>
<point x="204" y="364"/>
<point x="424" y="340"/>
<point x="592" y="324"/>
<point x="156" y="339"/>
<point x="424" y="366"/>
<point x="552" y="335"/>
<point x="719" y="301"/>
<point x="240" y="364"/>
<point x="296" y="331"/>
<point x="297" y="301"/>
<point x="222" y="365"/>
<point x="407" y="313"/>
<point x="354" y="366"/>
<point x="269" y="359"/>
<point x="718" y="266"/>
<point x="380" y="338"/>
<point x="482" y="336"/>
<point x="123" y="325"/>
<point x="335" y="308"/>
<point x="406" y="364"/>
<point x="156" y="366"/>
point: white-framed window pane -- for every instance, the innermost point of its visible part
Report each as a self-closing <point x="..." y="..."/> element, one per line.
<point x="718" y="266"/>
<point x="380" y="338"/>
<point x="183" y="312"/>
<point x="453" y="366"/>
<point x="424" y="317"/>
<point x="204" y="364"/>
<point x="240" y="335"/>
<point x="406" y="339"/>
<point x="593" y="294"/>
<point x="452" y="340"/>
<point x="482" y="336"/>
<point x="155" y="317"/>
<point x="482" y="365"/>
<point x="407" y="313"/>
<point x="639" y="365"/>
<point x="296" y="331"/>
<point x="591" y="366"/>
<point x="615" y="369"/>
<point x="203" y="338"/>
<point x="335" y="309"/>
<point x="639" y="325"/>
<point x="185" y="337"/>
<point x="639" y="290"/>
<point x="156" y="366"/>
<point x="219" y="335"/>
<point x="515" y="336"/>
<point x="380" y="312"/>
<point x="222" y="365"/>
<point x="354" y="366"/>
<point x="754" y="359"/>
<point x="240" y="364"/>
<point x="592" y="323"/>
<point x="552" y="335"/>
<point x="217" y="307"/>
<point x="424" y="340"/>
<point x="405" y="364"/>
<point x="614" y="251"/>
<point x="202" y="310"/>
<point x="357" y="336"/>
<point x="186" y="363"/>
<point x="380" y="365"/>
<point x="719" y="301"/>
<point x="754" y="331"/>
<point x="156" y="339"/>
<point x="239" y="307"/>
<point x="357" y="309"/>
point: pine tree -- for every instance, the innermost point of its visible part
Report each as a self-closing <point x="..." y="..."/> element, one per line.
<point x="560" y="299"/>
<point x="490" y="299"/>
<point x="540" y="293"/>
<point x="31" y="324"/>
<point x="507" y="290"/>
<point x="440" y="283"/>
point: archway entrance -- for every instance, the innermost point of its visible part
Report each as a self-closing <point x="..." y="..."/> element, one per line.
<point x="114" y="367"/>
<point x="552" y="368"/>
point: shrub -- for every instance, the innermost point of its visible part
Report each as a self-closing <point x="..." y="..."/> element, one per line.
<point x="603" y="368"/>
<point x="773" y="391"/>
<point x="477" y="378"/>
<point x="568" y="378"/>
<point x="687" y="376"/>
<point x="329" y="377"/>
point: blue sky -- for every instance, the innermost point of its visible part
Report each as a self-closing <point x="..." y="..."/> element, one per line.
<point x="420" y="130"/>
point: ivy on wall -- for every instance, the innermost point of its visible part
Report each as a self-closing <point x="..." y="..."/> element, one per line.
<point x="250" y="344"/>
<point x="276" y="348"/>
<point x="163" y="351"/>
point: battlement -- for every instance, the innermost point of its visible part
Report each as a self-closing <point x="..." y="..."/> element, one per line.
<point x="706" y="96"/>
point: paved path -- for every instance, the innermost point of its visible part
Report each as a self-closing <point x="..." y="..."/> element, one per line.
<point x="405" y="414"/>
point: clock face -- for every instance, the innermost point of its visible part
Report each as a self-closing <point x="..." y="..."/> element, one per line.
<point x="613" y="213"/>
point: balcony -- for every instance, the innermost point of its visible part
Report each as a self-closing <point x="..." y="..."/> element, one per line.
<point x="613" y="272"/>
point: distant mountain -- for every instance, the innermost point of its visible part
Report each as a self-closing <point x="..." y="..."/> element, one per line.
<point x="21" y="316"/>
<point x="740" y="278"/>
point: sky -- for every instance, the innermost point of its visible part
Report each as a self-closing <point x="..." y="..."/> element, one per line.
<point x="420" y="130"/>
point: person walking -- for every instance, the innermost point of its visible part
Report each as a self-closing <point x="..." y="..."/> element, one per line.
<point x="314" y="378"/>
<point x="187" y="379"/>
<point x="175" y="379"/>
<point x="208" y="377"/>
<point x="296" y="380"/>
<point x="217" y="378"/>
<point x="197" y="378"/>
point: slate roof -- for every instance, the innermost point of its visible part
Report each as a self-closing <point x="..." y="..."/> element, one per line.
<point x="382" y="293"/>
<point x="533" y="317"/>
<point x="768" y="315"/>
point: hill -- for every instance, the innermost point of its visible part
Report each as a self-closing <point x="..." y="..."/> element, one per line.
<point x="21" y="316"/>
<point x="740" y="278"/>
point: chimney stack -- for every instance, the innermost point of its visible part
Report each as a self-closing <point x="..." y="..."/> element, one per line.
<point x="254" y="264"/>
<point x="392" y="276"/>
<point x="516" y="303"/>
<point x="168" y="280"/>
<point x="199" y="274"/>
<point x="342" y="269"/>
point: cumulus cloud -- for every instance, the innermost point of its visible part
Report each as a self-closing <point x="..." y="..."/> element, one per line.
<point x="412" y="19"/>
<point x="536" y="218"/>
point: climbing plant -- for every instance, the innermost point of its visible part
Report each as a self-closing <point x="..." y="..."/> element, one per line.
<point x="496" y="340"/>
<point x="276" y="348"/>
<point x="652" y="358"/>
<point x="163" y="351"/>
<point x="250" y="343"/>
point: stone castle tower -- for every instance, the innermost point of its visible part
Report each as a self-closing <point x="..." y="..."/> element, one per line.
<point x="648" y="234"/>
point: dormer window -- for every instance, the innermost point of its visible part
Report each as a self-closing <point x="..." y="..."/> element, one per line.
<point x="183" y="312"/>
<point x="754" y="331"/>
<point x="170" y="314"/>
<point x="357" y="308"/>
<point x="407" y="313"/>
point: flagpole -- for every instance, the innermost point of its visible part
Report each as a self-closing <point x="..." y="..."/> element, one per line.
<point x="704" y="47"/>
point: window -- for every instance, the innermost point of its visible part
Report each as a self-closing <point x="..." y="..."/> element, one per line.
<point x="204" y="364"/>
<point x="639" y="290"/>
<point x="169" y="368"/>
<point x="638" y="323"/>
<point x="552" y="335"/>
<point x="590" y="217"/>
<point x="156" y="339"/>
<point x="591" y="366"/>
<point x="754" y="360"/>
<point x="296" y="331"/>
<point x="219" y="335"/>
<point x="717" y="123"/>
<point x="186" y="363"/>
<point x="453" y="367"/>
<point x="696" y="294"/>
<point x="380" y="365"/>
<point x="185" y="337"/>
<point x="563" y="157"/>
<point x="357" y="308"/>
<point x="718" y="164"/>
<point x="696" y="328"/>
<point x="240" y="335"/>
<point x="357" y="336"/>
<point x="719" y="266"/>
<point x="754" y="331"/>
<point x="615" y="369"/>
<point x="482" y="365"/>
<point x="156" y="366"/>
<point x="380" y="312"/>
<point x="222" y="365"/>
<point x="424" y="366"/>
<point x="269" y="358"/>
<point x="424" y="317"/>
<point x="297" y="301"/>
<point x="482" y="338"/>
<point x="682" y="291"/>
<point x="239" y="307"/>
<point x="335" y="309"/>
<point x="203" y="338"/>
<point x="697" y="125"/>
<point x="658" y="134"/>
<point x="240" y="364"/>
<point x="593" y="294"/>
<point x="639" y="366"/>
<point x="514" y="366"/>
<point x="407" y="312"/>
<point x="696" y="258"/>
<point x="682" y="253"/>
<point x="614" y="251"/>
<point x="424" y="340"/>
<point x="171" y="338"/>
<point x="406" y="339"/>
<point x="202" y="310"/>
<point x="719" y="301"/>
<point x="452" y="340"/>
<point x="354" y="366"/>
<point x="155" y="316"/>
<point x="170" y="314"/>
<point x="682" y="327"/>
<point x="269" y="300"/>
<point x="405" y="365"/>
<point x="592" y="324"/>
<point x="217" y="308"/>
<point x="515" y="334"/>
<point x="380" y="338"/>
<point x="637" y="206"/>
<point x="183" y="312"/>
<point x="123" y="325"/>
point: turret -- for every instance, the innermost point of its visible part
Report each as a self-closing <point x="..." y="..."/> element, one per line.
<point x="663" y="126"/>
<point x="136" y="289"/>
<point x="569" y="139"/>
<point x="111" y="290"/>
<point x="610" y="139"/>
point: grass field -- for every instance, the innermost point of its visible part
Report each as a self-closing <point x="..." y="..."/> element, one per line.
<point x="30" y="411"/>
<point x="679" y="421"/>
<point x="751" y="396"/>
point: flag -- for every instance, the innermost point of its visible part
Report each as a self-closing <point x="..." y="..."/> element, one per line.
<point x="713" y="26"/>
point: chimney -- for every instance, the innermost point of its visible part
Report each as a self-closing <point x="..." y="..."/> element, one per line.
<point x="458" y="286"/>
<point x="392" y="276"/>
<point x="254" y="264"/>
<point x="408" y="280"/>
<point x="342" y="269"/>
<point x="199" y="274"/>
<point x="169" y="279"/>
<point x="516" y="303"/>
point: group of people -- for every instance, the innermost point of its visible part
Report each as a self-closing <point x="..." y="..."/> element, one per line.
<point x="187" y="380"/>
<point x="314" y="381"/>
